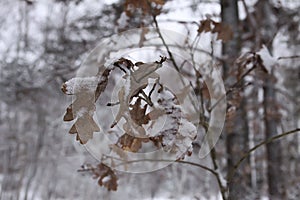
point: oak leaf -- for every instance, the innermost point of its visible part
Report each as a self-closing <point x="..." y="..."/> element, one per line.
<point x="205" y="26"/>
<point x="85" y="126"/>
<point x="87" y="90"/>
<point x="224" y="31"/>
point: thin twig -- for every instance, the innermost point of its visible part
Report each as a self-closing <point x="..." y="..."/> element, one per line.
<point x="180" y="21"/>
<point x="164" y="43"/>
<point x="231" y="88"/>
<point x="214" y="172"/>
<point x="267" y="141"/>
<point x="288" y="57"/>
<point x="163" y="160"/>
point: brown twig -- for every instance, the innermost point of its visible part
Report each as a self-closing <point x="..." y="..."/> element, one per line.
<point x="288" y="57"/>
<point x="164" y="43"/>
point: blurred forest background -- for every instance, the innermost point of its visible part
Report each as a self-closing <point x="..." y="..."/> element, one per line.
<point x="43" y="43"/>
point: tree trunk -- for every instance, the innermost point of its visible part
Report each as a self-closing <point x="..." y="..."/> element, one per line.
<point x="267" y="31"/>
<point x="237" y="126"/>
<point x="275" y="181"/>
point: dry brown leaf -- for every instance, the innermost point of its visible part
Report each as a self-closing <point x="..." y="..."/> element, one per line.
<point x="145" y="5"/>
<point x="123" y="107"/>
<point x="154" y="115"/>
<point x="131" y="5"/>
<point x="205" y="26"/>
<point x="224" y="31"/>
<point x="130" y="143"/>
<point x="85" y="102"/>
<point x="157" y="140"/>
<point x="159" y="2"/>
<point x="205" y="91"/>
<point x="123" y="62"/>
<point x="69" y="114"/>
<point x="139" y="78"/>
<point x="107" y="177"/>
<point x="138" y="114"/>
<point x="85" y="126"/>
<point x="122" y="154"/>
<point x="103" y="83"/>
<point x="133" y="129"/>
<point x="73" y="129"/>
<point x="83" y="108"/>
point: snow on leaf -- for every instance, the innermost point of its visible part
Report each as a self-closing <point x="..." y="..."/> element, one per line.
<point x="175" y="135"/>
<point x="79" y="84"/>
<point x="87" y="90"/>
<point x="268" y="60"/>
<point x="178" y="133"/>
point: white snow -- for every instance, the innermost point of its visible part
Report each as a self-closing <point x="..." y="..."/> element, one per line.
<point x="81" y="84"/>
<point x="122" y="21"/>
<point x="268" y="60"/>
<point x="106" y="179"/>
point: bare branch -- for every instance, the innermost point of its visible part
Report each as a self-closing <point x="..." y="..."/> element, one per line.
<point x="164" y="43"/>
<point x="289" y="57"/>
<point x="267" y="141"/>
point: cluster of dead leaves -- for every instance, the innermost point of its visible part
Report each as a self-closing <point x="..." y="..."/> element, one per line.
<point x="246" y="63"/>
<point x="253" y="59"/>
<point x="136" y="107"/>
<point x="105" y="175"/>
<point x="224" y="31"/>
<point x="148" y="7"/>
<point x="137" y="76"/>
<point x="136" y="80"/>
<point x="170" y="138"/>
<point x="138" y="117"/>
